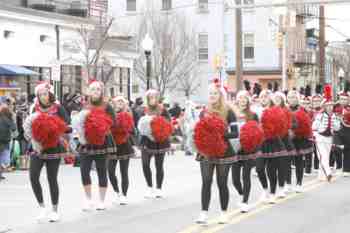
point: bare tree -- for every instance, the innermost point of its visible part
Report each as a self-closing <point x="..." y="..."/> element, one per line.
<point x="91" y="45"/>
<point x="341" y="56"/>
<point x="174" y="55"/>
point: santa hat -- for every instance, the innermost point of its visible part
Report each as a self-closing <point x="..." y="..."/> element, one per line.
<point x="94" y="83"/>
<point x="152" y="92"/>
<point x="281" y="95"/>
<point x="244" y="93"/>
<point x="43" y="86"/>
<point x="294" y="92"/>
<point x="327" y="95"/>
<point x="216" y="84"/>
<point x="120" y="98"/>
<point x="265" y="92"/>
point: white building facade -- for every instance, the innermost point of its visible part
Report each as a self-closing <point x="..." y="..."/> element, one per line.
<point x="214" y="24"/>
<point x="29" y="38"/>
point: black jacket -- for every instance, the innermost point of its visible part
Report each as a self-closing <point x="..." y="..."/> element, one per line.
<point x="7" y="126"/>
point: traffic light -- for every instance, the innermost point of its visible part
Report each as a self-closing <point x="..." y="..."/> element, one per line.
<point x="279" y="40"/>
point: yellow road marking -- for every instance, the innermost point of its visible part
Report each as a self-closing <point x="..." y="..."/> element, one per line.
<point x="258" y="207"/>
<point x="311" y="185"/>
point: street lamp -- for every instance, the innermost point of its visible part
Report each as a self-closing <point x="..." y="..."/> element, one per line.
<point x="147" y="45"/>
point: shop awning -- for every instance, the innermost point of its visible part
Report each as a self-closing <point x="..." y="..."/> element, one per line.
<point x="12" y="70"/>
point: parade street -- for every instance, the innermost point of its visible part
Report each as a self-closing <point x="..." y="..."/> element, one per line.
<point x="322" y="208"/>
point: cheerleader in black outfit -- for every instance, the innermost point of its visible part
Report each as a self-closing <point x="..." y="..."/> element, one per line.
<point x="284" y="164"/>
<point x="247" y="160"/>
<point x="124" y="150"/>
<point x="156" y="118"/>
<point x="301" y="140"/>
<point x="261" y="162"/>
<point x="217" y="115"/>
<point x="93" y="125"/>
<point x="47" y="147"/>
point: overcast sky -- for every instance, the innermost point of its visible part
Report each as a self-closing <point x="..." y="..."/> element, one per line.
<point x="340" y="12"/>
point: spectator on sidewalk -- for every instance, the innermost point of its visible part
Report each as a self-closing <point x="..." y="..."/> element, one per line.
<point x="175" y="111"/>
<point x="7" y="126"/>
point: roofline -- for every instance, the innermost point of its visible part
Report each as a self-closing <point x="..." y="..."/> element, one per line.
<point x="256" y="72"/>
<point x="43" y="17"/>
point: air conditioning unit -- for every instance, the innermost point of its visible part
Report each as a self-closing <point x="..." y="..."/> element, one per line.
<point x="78" y="8"/>
<point x="44" y="5"/>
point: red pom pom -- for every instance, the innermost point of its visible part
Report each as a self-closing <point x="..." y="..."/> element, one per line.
<point x="303" y="129"/>
<point x="287" y="123"/>
<point x="125" y="124"/>
<point x="97" y="125"/>
<point x="328" y="92"/>
<point x="209" y="136"/>
<point x="161" y="129"/>
<point x="251" y="136"/>
<point x="346" y="117"/>
<point x="274" y="123"/>
<point x="47" y="130"/>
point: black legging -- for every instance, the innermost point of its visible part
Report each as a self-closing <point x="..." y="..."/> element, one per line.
<point x="236" y="178"/>
<point x="308" y="163"/>
<point x="273" y="172"/>
<point x="124" y="167"/>
<point x="299" y="169"/>
<point x="146" y="166"/>
<point x="336" y="157"/>
<point x="52" y="167"/>
<point x="288" y="171"/>
<point x="85" y="168"/>
<point x="316" y="161"/>
<point x="346" y="161"/>
<point x="207" y="172"/>
<point x="261" y="170"/>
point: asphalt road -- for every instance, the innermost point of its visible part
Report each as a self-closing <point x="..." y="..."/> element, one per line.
<point x="322" y="208"/>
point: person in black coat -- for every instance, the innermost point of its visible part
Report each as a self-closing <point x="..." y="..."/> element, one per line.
<point x="7" y="126"/>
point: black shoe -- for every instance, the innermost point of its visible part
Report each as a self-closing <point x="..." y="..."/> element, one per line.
<point x="2" y="177"/>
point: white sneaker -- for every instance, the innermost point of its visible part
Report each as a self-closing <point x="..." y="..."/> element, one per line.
<point x="88" y="206"/>
<point x="307" y="174"/>
<point x="272" y="199"/>
<point x="42" y="214"/>
<point x="203" y="218"/>
<point x="288" y="189"/>
<point x="223" y="219"/>
<point x="244" y="208"/>
<point x="116" y="198"/>
<point x="101" y="206"/>
<point x="149" y="193"/>
<point x="54" y="217"/>
<point x="158" y="193"/>
<point x="346" y="174"/>
<point x="123" y="200"/>
<point x="264" y="196"/>
<point x="281" y="193"/>
<point x="298" y="189"/>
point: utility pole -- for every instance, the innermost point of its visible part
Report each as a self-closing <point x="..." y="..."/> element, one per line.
<point x="239" y="47"/>
<point x="322" y="44"/>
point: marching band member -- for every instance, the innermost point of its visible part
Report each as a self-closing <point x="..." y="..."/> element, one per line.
<point x="44" y="128"/>
<point x="93" y="125"/>
<point x="325" y="124"/>
<point x="301" y="134"/>
<point x="344" y="135"/>
<point x="124" y="125"/>
<point x="155" y="129"/>
<point x="217" y="125"/>
<point x="248" y="127"/>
